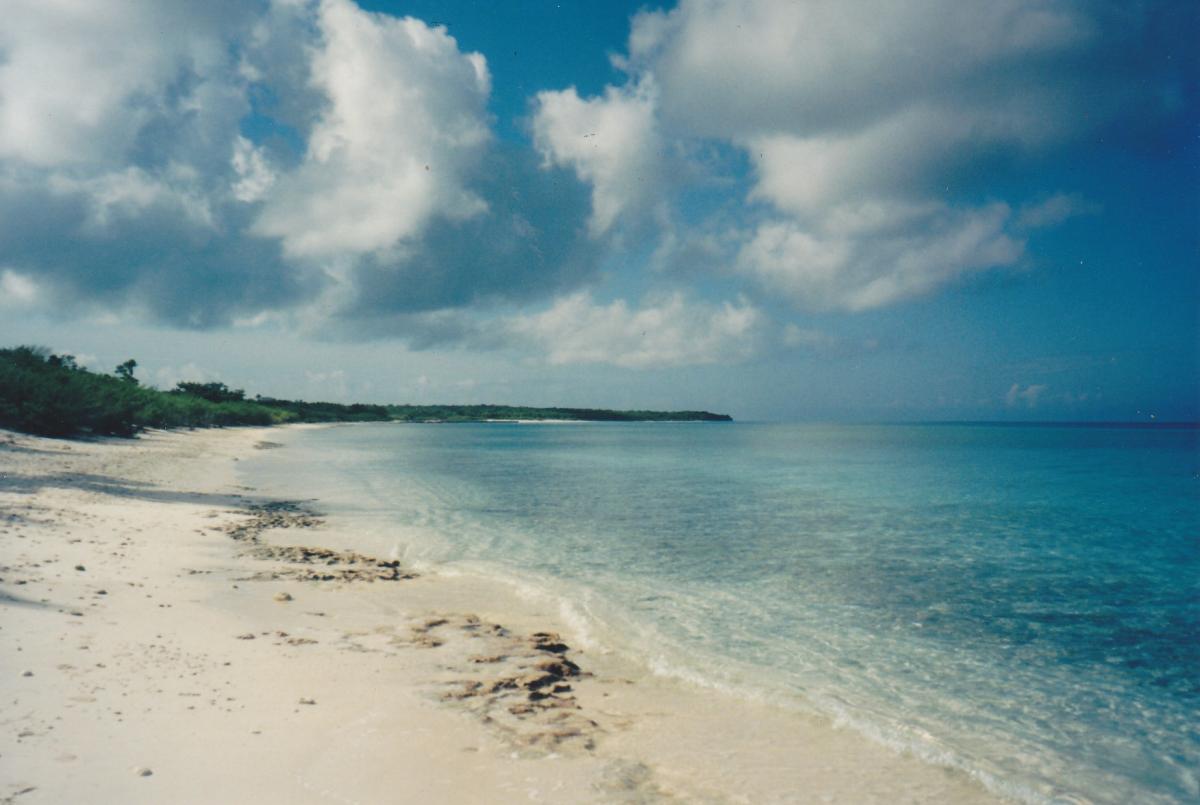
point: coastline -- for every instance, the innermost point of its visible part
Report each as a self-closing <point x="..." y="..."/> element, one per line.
<point x="169" y="653"/>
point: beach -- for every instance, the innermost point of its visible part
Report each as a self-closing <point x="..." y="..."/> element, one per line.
<point x="168" y="635"/>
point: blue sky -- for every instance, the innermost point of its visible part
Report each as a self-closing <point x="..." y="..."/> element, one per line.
<point x="777" y="209"/>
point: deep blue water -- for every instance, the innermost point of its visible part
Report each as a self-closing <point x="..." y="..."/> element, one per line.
<point x="1022" y="602"/>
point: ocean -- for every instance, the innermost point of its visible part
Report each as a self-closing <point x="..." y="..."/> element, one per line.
<point x="1022" y="602"/>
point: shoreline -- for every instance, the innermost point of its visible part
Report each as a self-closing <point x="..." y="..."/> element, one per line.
<point x="175" y="622"/>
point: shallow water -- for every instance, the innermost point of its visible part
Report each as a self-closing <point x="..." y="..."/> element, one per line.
<point x="1020" y="602"/>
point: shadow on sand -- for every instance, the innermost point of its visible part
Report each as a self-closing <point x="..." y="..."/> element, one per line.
<point x="117" y="487"/>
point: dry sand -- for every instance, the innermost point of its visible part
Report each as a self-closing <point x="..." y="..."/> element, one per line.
<point x="167" y="636"/>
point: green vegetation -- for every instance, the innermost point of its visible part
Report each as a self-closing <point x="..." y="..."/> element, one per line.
<point x="484" y="413"/>
<point x="213" y="392"/>
<point x="326" y="411"/>
<point x="52" y="395"/>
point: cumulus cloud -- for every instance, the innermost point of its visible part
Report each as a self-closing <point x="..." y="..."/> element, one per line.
<point x="863" y="122"/>
<point x="530" y="244"/>
<point x="403" y="130"/>
<point x="668" y="331"/>
<point x="371" y="187"/>
<point x="610" y="141"/>
<point x="80" y="82"/>
<point x="868" y="256"/>
<point x="752" y="67"/>
<point x="117" y="121"/>
<point x="135" y="247"/>
<point x="309" y="161"/>
<point x="120" y="196"/>
<point x="907" y="154"/>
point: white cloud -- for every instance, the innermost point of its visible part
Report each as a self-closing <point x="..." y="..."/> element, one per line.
<point x="117" y="121"/>
<point x="861" y="257"/>
<point x="127" y="194"/>
<point x="126" y="183"/>
<point x="687" y="251"/>
<point x="1024" y="397"/>
<point x="610" y="141"/>
<point x="1054" y="210"/>
<point x="115" y="113"/>
<point x="17" y="290"/>
<point x="736" y="68"/>
<point x="367" y="180"/>
<point x="667" y="331"/>
<point x="255" y="176"/>
<point x="405" y="125"/>
<point x="860" y="119"/>
<point x="79" y="80"/>
<point x="902" y="155"/>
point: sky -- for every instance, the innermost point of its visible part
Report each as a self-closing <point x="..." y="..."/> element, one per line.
<point x="777" y="209"/>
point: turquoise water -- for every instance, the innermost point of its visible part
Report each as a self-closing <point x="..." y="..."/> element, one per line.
<point x="1021" y="602"/>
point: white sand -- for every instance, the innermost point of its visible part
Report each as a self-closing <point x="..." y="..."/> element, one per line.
<point x="165" y="670"/>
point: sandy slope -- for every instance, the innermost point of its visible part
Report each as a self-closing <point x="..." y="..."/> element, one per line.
<point x="166" y="636"/>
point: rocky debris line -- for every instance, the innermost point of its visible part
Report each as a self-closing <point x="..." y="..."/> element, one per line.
<point x="348" y="566"/>
<point x="265" y="445"/>
<point x="521" y="685"/>
<point x="265" y="516"/>
<point x="281" y="638"/>
<point x="305" y="563"/>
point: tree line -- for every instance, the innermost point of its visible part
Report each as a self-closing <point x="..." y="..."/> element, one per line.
<point x="53" y="395"/>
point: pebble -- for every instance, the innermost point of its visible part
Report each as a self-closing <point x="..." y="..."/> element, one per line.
<point x="80" y="567"/>
<point x="142" y="771"/>
<point x="27" y="673"/>
<point x="283" y="596"/>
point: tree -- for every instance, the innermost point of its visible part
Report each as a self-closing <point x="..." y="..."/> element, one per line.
<point x="125" y="371"/>
<point x="64" y="361"/>
<point x="213" y="392"/>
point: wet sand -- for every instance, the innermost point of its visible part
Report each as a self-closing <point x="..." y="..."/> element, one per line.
<point x="170" y="636"/>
